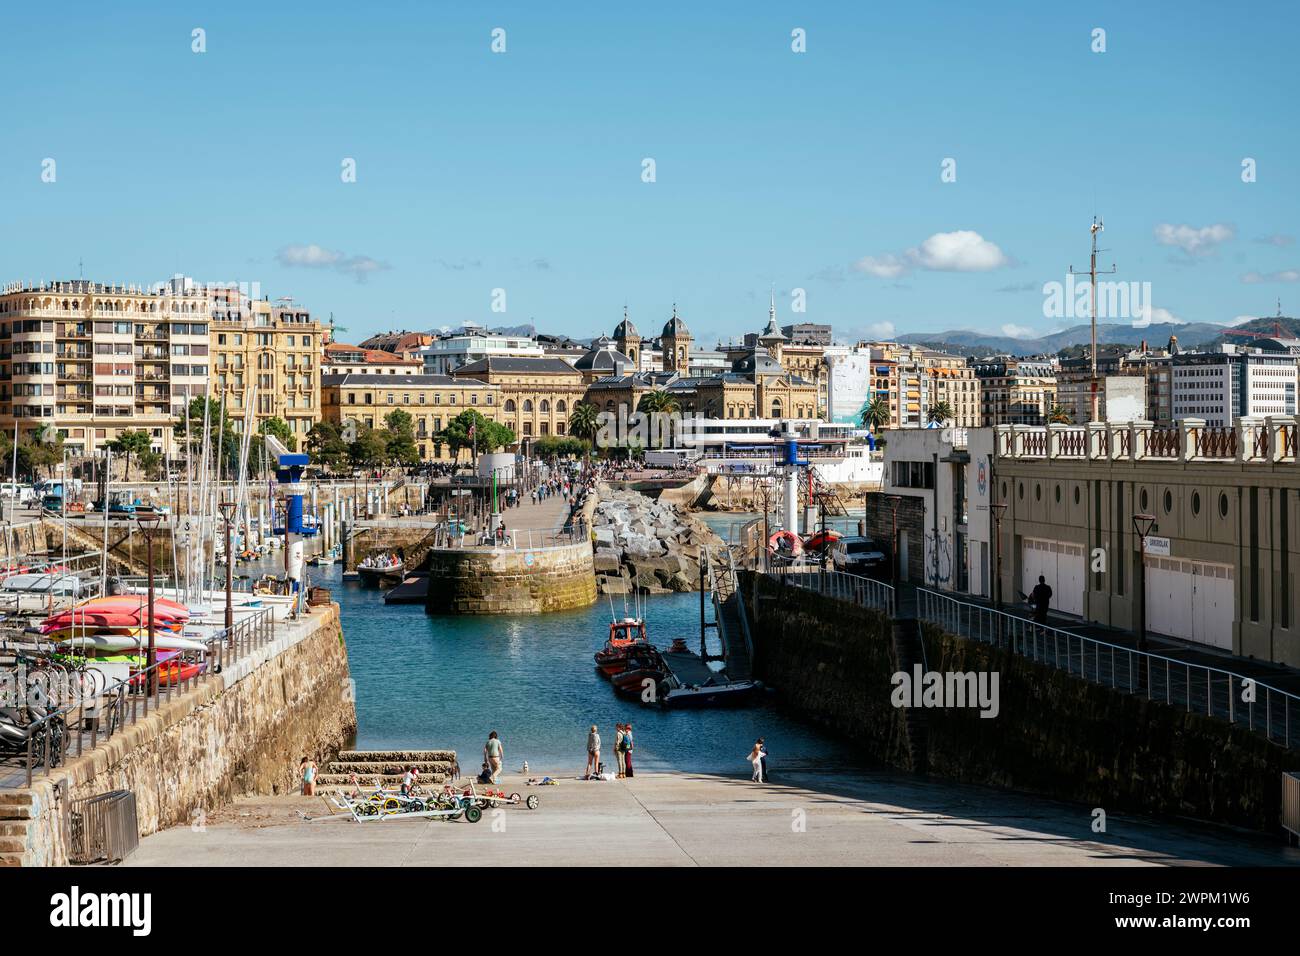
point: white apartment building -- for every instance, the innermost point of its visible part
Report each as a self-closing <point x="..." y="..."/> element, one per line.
<point x="1221" y="387"/>
<point x="444" y="355"/>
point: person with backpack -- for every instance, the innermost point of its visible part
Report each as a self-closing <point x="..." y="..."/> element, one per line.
<point x="618" y="750"/>
<point x="627" y="750"/>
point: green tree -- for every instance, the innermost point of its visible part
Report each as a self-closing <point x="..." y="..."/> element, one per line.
<point x="280" y="429"/>
<point x="940" y="412"/>
<point x="1059" y="415"/>
<point x="42" y="449"/>
<point x="399" y="437"/>
<point x="221" y="430"/>
<point x="488" y="435"/>
<point x="584" y="421"/>
<point x="875" y="414"/>
<point x="659" y="401"/>
<point x="326" y="446"/>
<point x="370" y="447"/>
<point x="131" y="442"/>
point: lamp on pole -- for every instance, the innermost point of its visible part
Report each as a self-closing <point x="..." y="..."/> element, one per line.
<point x="1143" y="525"/>
<point x="148" y="527"/>
<point x="998" y="510"/>
<point x="227" y="514"/>
<point x="894" y="502"/>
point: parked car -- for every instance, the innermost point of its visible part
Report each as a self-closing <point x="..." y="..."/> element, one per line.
<point x="24" y="493"/>
<point x="858" y="555"/>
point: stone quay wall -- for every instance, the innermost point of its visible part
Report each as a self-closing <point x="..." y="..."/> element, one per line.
<point x="244" y="732"/>
<point x="506" y="581"/>
<point x="1055" y="735"/>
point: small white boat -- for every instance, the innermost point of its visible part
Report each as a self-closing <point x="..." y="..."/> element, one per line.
<point x="718" y="692"/>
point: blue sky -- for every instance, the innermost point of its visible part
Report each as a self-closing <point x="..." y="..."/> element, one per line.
<point x="522" y="171"/>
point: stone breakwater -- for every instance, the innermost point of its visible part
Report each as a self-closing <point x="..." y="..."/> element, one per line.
<point x="647" y="546"/>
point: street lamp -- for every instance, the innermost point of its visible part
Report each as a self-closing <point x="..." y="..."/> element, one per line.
<point x="148" y="527"/>
<point x="227" y="509"/>
<point x="894" y="502"/>
<point x="998" y="511"/>
<point x="1143" y="525"/>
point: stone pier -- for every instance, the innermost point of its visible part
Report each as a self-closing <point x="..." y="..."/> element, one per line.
<point x="242" y="732"/>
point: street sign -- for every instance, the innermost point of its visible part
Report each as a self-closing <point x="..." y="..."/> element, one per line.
<point x="1158" y="547"/>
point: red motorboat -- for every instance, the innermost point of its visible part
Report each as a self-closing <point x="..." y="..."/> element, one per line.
<point x="624" y="635"/>
<point x="642" y="664"/>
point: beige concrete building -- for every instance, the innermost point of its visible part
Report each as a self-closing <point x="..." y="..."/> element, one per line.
<point x="431" y="400"/>
<point x="95" y="360"/>
<point x="537" y="394"/>
<point x="276" y="350"/>
<point x="1222" y="560"/>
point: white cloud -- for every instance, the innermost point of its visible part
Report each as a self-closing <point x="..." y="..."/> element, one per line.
<point x="963" y="250"/>
<point x="1013" y="331"/>
<point x="1193" y="240"/>
<point x="1277" y="239"/>
<point x="882" y="267"/>
<point x="312" y="256"/>
<point x="1158" y="316"/>
<point x="1240" y="320"/>
<point x="1285" y="275"/>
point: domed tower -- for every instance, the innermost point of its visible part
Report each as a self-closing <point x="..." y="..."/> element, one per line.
<point x="628" y="340"/>
<point x="676" y="345"/>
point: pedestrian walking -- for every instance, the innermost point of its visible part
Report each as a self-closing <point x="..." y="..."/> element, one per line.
<point x="493" y="754"/>
<point x="593" y="752"/>
<point x="756" y="760"/>
<point x="763" y="749"/>
<point x="1041" y="597"/>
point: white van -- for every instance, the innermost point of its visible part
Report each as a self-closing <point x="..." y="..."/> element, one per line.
<point x="24" y="493"/>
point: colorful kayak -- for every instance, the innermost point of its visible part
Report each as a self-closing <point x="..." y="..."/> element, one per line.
<point x="126" y="642"/>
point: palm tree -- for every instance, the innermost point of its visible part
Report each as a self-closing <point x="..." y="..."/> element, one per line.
<point x="940" y="412"/>
<point x="875" y="414"/>
<point x="658" y="401"/>
<point x="584" y="420"/>
<point x="1059" y="415"/>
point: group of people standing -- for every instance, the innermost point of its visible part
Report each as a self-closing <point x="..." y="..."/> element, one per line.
<point x="623" y="744"/>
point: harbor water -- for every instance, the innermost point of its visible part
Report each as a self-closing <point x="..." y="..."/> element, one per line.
<point x="446" y="681"/>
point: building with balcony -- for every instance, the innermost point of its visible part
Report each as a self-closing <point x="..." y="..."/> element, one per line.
<point x="1222" y="557"/>
<point x="271" y="354"/>
<point x="94" y="360"/>
<point x="537" y="395"/>
<point x="341" y="359"/>
<point x="1015" y="391"/>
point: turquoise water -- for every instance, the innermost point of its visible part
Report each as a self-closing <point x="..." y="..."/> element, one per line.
<point x="425" y="682"/>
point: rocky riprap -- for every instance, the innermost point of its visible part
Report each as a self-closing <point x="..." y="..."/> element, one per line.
<point x="642" y="545"/>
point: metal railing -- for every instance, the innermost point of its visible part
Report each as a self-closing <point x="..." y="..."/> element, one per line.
<point x="1199" y="688"/>
<point x="854" y="588"/>
<point x="114" y="707"/>
<point x="1291" y="803"/>
<point x="104" y="827"/>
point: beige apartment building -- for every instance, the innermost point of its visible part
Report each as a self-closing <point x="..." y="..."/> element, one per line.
<point x="94" y="360"/>
<point x="274" y="352"/>
<point x="431" y="400"/>
<point x="1015" y="391"/>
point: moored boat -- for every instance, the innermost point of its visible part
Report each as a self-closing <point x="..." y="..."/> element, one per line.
<point x="377" y="567"/>
<point x="624" y="635"/>
<point x="714" y="692"/>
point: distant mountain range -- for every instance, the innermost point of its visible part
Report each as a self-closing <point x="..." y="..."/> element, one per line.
<point x="1156" y="335"/>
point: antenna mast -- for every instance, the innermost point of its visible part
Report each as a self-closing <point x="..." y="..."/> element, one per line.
<point x="1092" y="274"/>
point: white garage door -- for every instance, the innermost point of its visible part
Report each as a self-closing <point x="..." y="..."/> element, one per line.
<point x="1061" y="564"/>
<point x="1190" y="599"/>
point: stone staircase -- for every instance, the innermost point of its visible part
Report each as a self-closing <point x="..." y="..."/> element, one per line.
<point x="386" y="767"/>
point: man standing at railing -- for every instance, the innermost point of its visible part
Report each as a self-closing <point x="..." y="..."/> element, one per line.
<point x="1041" y="597"/>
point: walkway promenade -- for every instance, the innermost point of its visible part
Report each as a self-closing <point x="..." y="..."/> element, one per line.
<point x="687" y="819"/>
